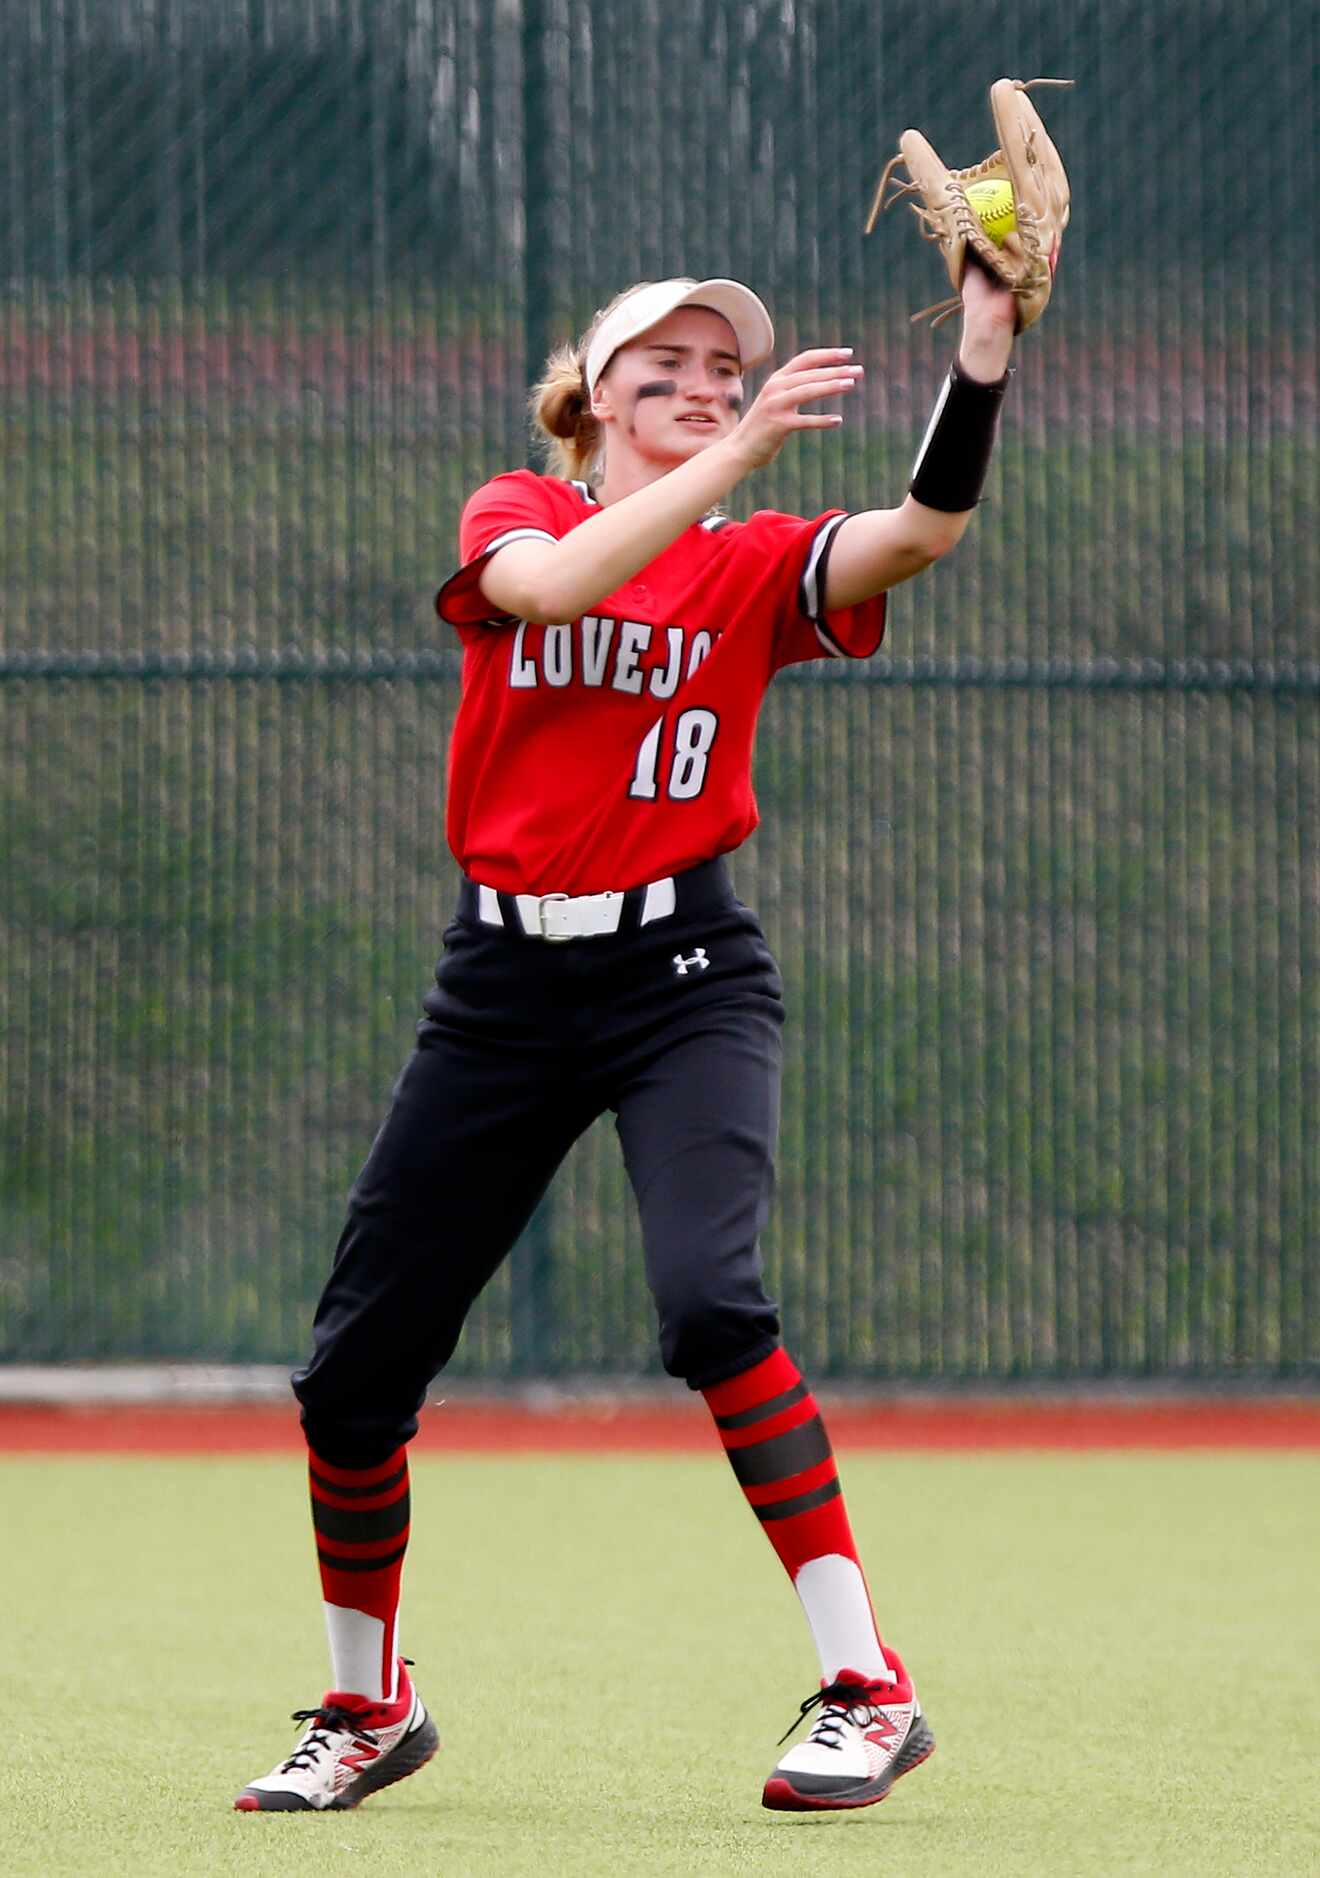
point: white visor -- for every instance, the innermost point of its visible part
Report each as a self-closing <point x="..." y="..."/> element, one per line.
<point x="646" y="306"/>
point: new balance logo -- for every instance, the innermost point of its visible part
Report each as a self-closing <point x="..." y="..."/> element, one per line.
<point x="881" y="1730"/>
<point x="698" y="962"/>
<point x="363" y="1758"/>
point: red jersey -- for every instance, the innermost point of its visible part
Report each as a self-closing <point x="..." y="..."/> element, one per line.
<point x="612" y="750"/>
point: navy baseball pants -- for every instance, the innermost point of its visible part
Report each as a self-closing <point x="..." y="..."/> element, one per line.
<point x="674" y="1026"/>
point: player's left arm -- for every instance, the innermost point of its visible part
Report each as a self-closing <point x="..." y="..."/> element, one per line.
<point x="876" y="549"/>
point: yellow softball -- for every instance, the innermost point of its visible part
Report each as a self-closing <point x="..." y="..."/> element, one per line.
<point x="993" y="203"/>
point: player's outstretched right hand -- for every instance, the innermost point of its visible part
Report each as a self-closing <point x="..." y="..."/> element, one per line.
<point x="775" y="413"/>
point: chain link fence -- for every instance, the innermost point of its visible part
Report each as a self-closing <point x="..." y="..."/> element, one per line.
<point x="1044" y="878"/>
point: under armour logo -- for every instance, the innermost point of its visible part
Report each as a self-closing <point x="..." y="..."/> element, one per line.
<point x="698" y="959"/>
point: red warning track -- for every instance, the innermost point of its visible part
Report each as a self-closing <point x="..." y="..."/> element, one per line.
<point x="613" y="1426"/>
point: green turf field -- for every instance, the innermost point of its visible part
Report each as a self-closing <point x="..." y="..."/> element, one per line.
<point x="1119" y="1656"/>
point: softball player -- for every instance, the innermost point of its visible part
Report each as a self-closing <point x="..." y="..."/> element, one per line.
<point x="618" y="636"/>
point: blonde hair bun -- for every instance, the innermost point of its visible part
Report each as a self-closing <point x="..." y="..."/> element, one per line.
<point x="561" y="411"/>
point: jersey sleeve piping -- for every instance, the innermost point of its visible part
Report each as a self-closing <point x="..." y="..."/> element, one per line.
<point x="460" y="600"/>
<point x="513" y="534"/>
<point x="811" y="588"/>
<point x="811" y="593"/>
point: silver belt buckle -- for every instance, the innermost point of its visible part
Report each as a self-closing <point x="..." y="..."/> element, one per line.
<point x="551" y="938"/>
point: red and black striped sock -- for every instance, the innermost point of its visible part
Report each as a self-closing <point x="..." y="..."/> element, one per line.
<point x="780" y="1452"/>
<point x="361" y="1516"/>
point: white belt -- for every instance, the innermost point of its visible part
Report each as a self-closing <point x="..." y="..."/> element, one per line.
<point x="575" y="916"/>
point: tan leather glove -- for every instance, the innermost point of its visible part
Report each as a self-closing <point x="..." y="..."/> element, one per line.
<point x="1027" y="160"/>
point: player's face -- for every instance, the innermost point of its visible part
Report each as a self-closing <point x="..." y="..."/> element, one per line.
<point x="678" y="388"/>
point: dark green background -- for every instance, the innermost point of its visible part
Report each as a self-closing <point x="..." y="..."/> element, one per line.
<point x="1044" y="878"/>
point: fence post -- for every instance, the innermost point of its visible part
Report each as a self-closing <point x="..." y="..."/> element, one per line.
<point x="548" y="244"/>
<point x="547" y="264"/>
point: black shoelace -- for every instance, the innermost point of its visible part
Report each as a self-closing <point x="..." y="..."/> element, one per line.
<point x="331" y="1720"/>
<point x="841" y="1696"/>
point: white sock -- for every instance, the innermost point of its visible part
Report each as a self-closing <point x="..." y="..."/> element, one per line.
<point x="358" y="1656"/>
<point x="834" y="1597"/>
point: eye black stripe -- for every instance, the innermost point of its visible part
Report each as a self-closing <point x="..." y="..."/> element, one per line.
<point x="359" y="1493"/>
<point x="361" y="1564"/>
<point x="748" y="1418"/>
<point x="782" y="1455"/>
<point x="358" y="1525"/>
<point x="804" y="1503"/>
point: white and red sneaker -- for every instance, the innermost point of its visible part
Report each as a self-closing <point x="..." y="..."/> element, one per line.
<point x="866" y="1736"/>
<point x="352" y="1748"/>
